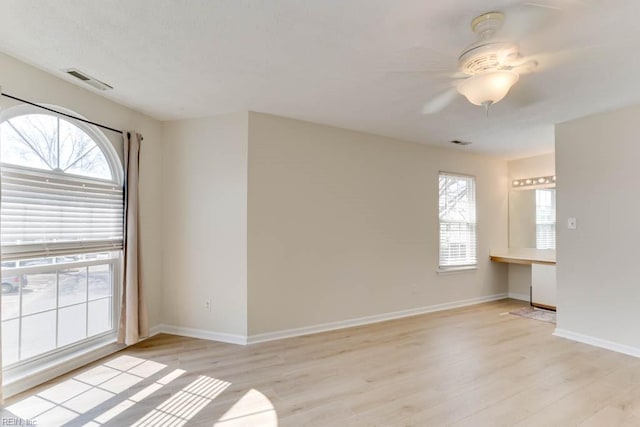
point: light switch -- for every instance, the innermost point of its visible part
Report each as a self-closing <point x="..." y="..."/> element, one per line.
<point x="572" y="224"/>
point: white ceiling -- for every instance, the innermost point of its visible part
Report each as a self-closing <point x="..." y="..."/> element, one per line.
<point x="338" y="62"/>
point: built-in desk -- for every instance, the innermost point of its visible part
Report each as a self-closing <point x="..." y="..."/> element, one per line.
<point x="543" y="272"/>
<point x="525" y="256"/>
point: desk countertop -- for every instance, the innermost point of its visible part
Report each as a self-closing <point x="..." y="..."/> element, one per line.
<point x="525" y="256"/>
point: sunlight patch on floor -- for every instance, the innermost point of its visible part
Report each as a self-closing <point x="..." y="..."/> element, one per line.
<point x="253" y="409"/>
<point x="145" y="392"/>
<point x="64" y="402"/>
<point x="107" y="384"/>
<point x="185" y="404"/>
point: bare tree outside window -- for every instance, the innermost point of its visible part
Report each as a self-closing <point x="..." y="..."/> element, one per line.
<point x="47" y="142"/>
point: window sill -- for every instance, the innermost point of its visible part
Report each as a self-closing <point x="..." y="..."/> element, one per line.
<point x="456" y="270"/>
<point x="20" y="378"/>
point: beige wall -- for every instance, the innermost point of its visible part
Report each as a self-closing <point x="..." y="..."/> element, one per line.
<point x="340" y="224"/>
<point x="598" y="176"/>
<point x="522" y="219"/>
<point x="519" y="278"/>
<point x="25" y="81"/>
<point x="344" y="224"/>
<point x="205" y="236"/>
<point x="531" y="167"/>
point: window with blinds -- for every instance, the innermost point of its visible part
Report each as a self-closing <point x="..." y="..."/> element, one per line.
<point x="43" y="215"/>
<point x="61" y="231"/>
<point x="59" y="194"/>
<point x="546" y="218"/>
<point x="457" y="208"/>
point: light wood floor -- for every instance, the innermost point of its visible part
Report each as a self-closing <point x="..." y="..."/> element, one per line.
<point x="474" y="366"/>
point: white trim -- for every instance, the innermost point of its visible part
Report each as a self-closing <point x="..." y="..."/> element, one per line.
<point x="70" y="362"/>
<point x="597" y="342"/>
<point x="288" y="333"/>
<point x="314" y="329"/>
<point x="13" y="386"/>
<point x="521" y="297"/>
<point x="155" y="330"/>
<point x="453" y="270"/>
<point x="200" y="333"/>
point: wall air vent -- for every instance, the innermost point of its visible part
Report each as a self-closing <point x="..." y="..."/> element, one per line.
<point x="88" y="79"/>
<point x="458" y="142"/>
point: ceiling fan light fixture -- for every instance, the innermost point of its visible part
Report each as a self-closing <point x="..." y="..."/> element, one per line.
<point x="487" y="88"/>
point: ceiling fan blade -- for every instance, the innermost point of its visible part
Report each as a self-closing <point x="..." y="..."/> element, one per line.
<point x="544" y="5"/>
<point x="430" y="73"/>
<point x="576" y="55"/>
<point x="440" y="101"/>
<point x="525" y="66"/>
<point x="561" y="4"/>
<point x="526" y="19"/>
<point x="522" y="96"/>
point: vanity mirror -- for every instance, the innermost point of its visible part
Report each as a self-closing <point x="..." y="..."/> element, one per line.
<point x="532" y="241"/>
<point x="532" y="218"/>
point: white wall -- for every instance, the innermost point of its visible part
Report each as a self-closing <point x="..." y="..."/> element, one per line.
<point x="25" y="81"/>
<point x="519" y="278"/>
<point x="344" y="224"/>
<point x="522" y="219"/>
<point x="531" y="167"/>
<point x="528" y="167"/>
<point x="205" y="235"/>
<point x="598" y="178"/>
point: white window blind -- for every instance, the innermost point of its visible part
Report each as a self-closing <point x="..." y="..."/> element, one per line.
<point x="61" y="231"/>
<point x="545" y="218"/>
<point x="457" y="206"/>
<point x="45" y="214"/>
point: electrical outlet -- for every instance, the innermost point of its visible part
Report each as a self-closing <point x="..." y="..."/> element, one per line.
<point x="207" y="305"/>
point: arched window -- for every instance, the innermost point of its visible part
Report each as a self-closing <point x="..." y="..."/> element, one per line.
<point x="61" y="232"/>
<point x="50" y="143"/>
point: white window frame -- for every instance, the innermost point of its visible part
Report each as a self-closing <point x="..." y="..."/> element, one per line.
<point x="542" y="242"/>
<point x="454" y="266"/>
<point x="109" y="151"/>
<point x="33" y="364"/>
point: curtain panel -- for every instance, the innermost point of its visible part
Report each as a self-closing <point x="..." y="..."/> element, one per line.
<point x="133" y="313"/>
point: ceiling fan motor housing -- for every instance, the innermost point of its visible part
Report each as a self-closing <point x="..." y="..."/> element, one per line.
<point x="488" y="55"/>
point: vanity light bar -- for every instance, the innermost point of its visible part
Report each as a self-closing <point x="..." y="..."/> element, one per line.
<point x="534" y="181"/>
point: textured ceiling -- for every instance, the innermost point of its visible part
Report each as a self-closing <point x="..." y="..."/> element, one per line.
<point x="355" y="64"/>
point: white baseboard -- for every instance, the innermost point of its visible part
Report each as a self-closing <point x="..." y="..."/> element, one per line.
<point x="314" y="329"/>
<point x="597" y="342"/>
<point x="155" y="330"/>
<point x="199" y="333"/>
<point x="521" y="297"/>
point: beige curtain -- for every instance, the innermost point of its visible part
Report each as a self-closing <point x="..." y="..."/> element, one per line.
<point x="133" y="312"/>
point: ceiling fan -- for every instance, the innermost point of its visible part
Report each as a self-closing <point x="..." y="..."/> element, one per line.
<point x="487" y="68"/>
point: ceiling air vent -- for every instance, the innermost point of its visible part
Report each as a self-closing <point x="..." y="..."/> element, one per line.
<point x="458" y="142"/>
<point x="88" y="79"/>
